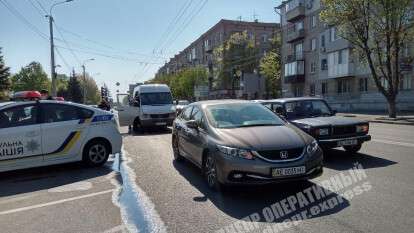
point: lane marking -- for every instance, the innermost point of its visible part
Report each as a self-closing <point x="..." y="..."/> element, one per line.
<point x="119" y="228"/>
<point x="394" y="142"/>
<point x="55" y="202"/>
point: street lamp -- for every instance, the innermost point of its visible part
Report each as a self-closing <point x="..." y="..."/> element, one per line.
<point x="52" y="46"/>
<point x="84" y="78"/>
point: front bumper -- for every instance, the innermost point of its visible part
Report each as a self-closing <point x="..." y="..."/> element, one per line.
<point x="258" y="171"/>
<point x="156" y="122"/>
<point x="332" y="143"/>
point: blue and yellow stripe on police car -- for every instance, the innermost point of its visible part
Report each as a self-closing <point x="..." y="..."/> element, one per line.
<point x="67" y="145"/>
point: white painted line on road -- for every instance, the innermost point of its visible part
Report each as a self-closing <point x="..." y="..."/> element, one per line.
<point x="117" y="229"/>
<point x="55" y="202"/>
<point x="394" y="142"/>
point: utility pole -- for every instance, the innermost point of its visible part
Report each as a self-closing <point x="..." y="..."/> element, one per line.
<point x="52" y="56"/>
<point x="84" y="84"/>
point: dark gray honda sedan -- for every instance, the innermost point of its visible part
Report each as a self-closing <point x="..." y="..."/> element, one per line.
<point x="240" y="142"/>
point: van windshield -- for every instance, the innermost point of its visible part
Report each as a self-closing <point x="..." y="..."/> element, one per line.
<point x="158" y="98"/>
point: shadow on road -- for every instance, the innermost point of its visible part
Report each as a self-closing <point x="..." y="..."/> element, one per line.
<point x="43" y="178"/>
<point x="242" y="201"/>
<point x="148" y="131"/>
<point x="341" y="160"/>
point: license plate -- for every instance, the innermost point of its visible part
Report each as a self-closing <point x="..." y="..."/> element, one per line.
<point x="160" y="123"/>
<point x="350" y="142"/>
<point x="288" y="171"/>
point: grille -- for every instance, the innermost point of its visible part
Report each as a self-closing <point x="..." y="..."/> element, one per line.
<point x="277" y="154"/>
<point x="156" y="116"/>
<point x="344" y="130"/>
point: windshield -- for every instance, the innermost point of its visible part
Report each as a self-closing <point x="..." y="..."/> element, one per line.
<point x="241" y="115"/>
<point x="158" y="98"/>
<point x="307" y="108"/>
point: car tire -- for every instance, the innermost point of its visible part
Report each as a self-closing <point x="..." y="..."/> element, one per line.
<point x="353" y="149"/>
<point x="176" y="149"/>
<point x="210" y="173"/>
<point x="96" y="153"/>
<point x="137" y="127"/>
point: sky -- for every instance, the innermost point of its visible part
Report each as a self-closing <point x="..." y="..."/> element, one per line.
<point x="128" y="39"/>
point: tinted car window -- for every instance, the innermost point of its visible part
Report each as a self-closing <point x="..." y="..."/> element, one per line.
<point x="241" y="115"/>
<point x="59" y="112"/>
<point x="198" y="117"/>
<point x="159" y="98"/>
<point x="307" y="108"/>
<point x="18" y="116"/>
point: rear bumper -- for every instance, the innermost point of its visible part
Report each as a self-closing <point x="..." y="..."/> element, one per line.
<point x="332" y="143"/>
<point x="156" y="122"/>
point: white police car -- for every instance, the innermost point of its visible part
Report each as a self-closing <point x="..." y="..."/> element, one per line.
<point x="43" y="133"/>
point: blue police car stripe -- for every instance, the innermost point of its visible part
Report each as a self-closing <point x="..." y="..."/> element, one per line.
<point x="102" y="118"/>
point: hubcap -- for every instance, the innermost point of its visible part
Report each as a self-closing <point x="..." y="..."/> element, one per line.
<point x="97" y="153"/>
<point x="210" y="172"/>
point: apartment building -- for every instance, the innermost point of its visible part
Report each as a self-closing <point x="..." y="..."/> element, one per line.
<point x="200" y="53"/>
<point x="317" y="62"/>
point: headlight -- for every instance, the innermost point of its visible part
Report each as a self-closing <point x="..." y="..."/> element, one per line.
<point x="235" y="152"/>
<point x="323" y="132"/>
<point x="312" y="147"/>
<point x="362" y="128"/>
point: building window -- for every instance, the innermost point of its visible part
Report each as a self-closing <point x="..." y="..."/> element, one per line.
<point x="324" y="88"/>
<point x="324" y="64"/>
<point x="313" y="67"/>
<point x="405" y="82"/>
<point x="344" y="86"/>
<point x="299" y="51"/>
<point x="314" y="21"/>
<point x="298" y="91"/>
<point x="333" y="34"/>
<point x="313" y="44"/>
<point x="323" y="41"/>
<point x="264" y="38"/>
<point x="384" y="83"/>
<point x="363" y="84"/>
<point x="294" y="68"/>
<point x="312" y="89"/>
<point x="299" y="26"/>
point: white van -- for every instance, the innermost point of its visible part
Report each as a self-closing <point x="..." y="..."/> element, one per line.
<point x="150" y="105"/>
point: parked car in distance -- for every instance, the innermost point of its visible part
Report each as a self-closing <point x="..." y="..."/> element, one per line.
<point x="314" y="116"/>
<point x="241" y="142"/>
<point x="150" y="106"/>
<point x="180" y="104"/>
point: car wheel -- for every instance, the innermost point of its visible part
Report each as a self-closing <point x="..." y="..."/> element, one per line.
<point x="137" y="127"/>
<point x="210" y="173"/>
<point x="96" y="153"/>
<point x="176" y="149"/>
<point x="353" y="149"/>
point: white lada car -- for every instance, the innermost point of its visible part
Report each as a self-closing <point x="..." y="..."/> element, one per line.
<point x="42" y="133"/>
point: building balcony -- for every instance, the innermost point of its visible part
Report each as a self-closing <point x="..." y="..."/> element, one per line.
<point x="296" y="13"/>
<point x="293" y="36"/>
<point x="341" y="70"/>
<point x="298" y="78"/>
<point x="295" y="57"/>
<point x="336" y="45"/>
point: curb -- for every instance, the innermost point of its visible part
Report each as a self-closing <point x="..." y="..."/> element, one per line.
<point x="391" y="122"/>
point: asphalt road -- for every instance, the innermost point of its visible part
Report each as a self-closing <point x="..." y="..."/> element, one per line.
<point x="159" y="195"/>
<point x="185" y="204"/>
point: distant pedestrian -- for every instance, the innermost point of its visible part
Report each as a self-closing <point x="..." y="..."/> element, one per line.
<point x="45" y="95"/>
<point x="104" y="105"/>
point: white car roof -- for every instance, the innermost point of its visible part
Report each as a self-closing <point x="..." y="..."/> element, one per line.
<point x="149" y="88"/>
<point x="7" y="104"/>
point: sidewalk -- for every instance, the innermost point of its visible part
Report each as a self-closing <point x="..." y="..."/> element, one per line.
<point x="402" y="119"/>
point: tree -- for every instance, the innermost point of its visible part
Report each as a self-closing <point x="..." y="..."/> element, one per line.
<point x="31" y="77"/>
<point x="4" y="77"/>
<point x="88" y="84"/>
<point x="378" y="29"/>
<point x="74" y="91"/>
<point x="237" y="53"/>
<point x="270" y="66"/>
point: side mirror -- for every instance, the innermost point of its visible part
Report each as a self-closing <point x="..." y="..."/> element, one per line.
<point x="334" y="112"/>
<point x="192" y="124"/>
